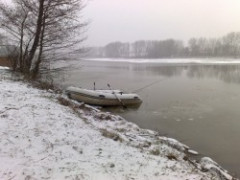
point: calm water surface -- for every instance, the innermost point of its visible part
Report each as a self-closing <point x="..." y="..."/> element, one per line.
<point x="195" y="103"/>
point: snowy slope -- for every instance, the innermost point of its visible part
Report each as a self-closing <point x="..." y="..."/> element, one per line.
<point x="41" y="139"/>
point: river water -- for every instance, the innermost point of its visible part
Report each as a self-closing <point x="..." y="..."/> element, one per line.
<point x="196" y="102"/>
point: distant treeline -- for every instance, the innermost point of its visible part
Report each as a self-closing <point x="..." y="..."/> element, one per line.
<point x="226" y="46"/>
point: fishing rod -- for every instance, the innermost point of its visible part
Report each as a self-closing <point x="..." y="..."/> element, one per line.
<point x="116" y="96"/>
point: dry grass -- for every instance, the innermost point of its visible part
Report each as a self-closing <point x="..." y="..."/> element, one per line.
<point x="43" y="85"/>
<point x="121" y="130"/>
<point x="5" y="62"/>
<point x="75" y="107"/>
<point x="186" y="158"/>
<point x="64" y="101"/>
<point x="103" y="116"/>
<point x="155" y="152"/>
<point x="172" y="156"/>
<point x="111" y="135"/>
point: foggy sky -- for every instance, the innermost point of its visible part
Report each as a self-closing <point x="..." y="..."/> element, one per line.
<point x="130" y="20"/>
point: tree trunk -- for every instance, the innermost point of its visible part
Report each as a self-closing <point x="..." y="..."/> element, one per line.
<point x="35" y="70"/>
<point x="37" y="64"/>
<point x="20" y="59"/>
<point x="37" y="35"/>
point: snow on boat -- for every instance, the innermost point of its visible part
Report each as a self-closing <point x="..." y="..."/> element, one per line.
<point x="103" y="97"/>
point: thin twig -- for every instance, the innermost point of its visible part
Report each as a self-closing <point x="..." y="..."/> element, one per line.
<point x="12" y="177"/>
<point x="7" y="109"/>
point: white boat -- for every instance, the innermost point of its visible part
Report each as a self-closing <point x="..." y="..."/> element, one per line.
<point x="103" y="97"/>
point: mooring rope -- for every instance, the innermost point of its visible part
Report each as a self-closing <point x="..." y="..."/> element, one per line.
<point x="142" y="88"/>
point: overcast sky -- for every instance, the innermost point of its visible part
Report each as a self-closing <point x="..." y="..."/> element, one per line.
<point x="130" y="20"/>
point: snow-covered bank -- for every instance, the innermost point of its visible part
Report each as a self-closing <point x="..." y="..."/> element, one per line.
<point x="42" y="139"/>
<point x="4" y="68"/>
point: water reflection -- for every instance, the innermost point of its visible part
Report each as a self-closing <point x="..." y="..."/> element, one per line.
<point x="196" y="103"/>
<point x="226" y="73"/>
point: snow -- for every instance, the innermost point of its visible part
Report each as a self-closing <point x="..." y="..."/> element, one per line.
<point x="42" y="139"/>
<point x="208" y="164"/>
<point x="193" y="152"/>
<point x="3" y="68"/>
<point x="170" y="61"/>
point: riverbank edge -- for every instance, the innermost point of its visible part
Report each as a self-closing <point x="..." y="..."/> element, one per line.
<point x="147" y="141"/>
<point x="151" y="138"/>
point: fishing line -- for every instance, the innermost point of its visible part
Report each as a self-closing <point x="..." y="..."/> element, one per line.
<point x="149" y="85"/>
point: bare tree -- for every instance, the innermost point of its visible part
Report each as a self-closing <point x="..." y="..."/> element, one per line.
<point x="42" y="29"/>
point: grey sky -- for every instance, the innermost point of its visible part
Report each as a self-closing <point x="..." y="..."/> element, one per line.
<point x="130" y="20"/>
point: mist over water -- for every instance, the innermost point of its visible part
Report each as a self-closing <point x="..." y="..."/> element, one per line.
<point x="197" y="104"/>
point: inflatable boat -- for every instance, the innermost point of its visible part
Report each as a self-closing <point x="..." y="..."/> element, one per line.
<point x="103" y="97"/>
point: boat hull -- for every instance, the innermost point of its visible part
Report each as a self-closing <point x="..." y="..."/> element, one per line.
<point x="103" y="99"/>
